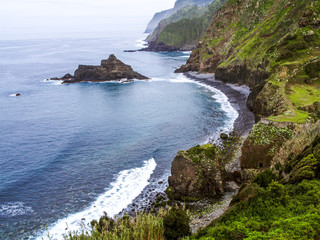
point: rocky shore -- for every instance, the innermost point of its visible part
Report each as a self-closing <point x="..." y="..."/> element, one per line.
<point x="207" y="209"/>
<point x="111" y="69"/>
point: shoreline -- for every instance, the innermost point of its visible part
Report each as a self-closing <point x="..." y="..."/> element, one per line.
<point x="237" y="97"/>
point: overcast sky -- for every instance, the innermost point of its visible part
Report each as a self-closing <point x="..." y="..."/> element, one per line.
<point x="28" y="18"/>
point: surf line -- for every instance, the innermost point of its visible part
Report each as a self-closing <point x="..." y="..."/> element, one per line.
<point x="127" y="186"/>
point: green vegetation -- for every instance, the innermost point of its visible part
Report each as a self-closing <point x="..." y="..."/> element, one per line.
<point x="184" y="29"/>
<point x="273" y="206"/>
<point x="295" y="116"/>
<point x="303" y="95"/>
<point x="187" y="12"/>
<point x="201" y="154"/>
<point x="185" y="32"/>
<point x="277" y="212"/>
<point x="263" y="134"/>
<point x="176" y="224"/>
<point x="144" y="226"/>
<point x="276" y="39"/>
<point x="170" y="224"/>
<point x="274" y="47"/>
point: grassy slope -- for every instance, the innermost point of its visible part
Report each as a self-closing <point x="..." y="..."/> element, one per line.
<point x="187" y="12"/>
<point x="277" y="36"/>
<point x="279" y="204"/>
<point x="185" y="28"/>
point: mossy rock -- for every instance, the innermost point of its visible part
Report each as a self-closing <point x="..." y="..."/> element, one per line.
<point x="202" y="154"/>
<point x="196" y="173"/>
<point x="262" y="144"/>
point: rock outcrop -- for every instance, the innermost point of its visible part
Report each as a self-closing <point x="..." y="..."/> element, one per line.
<point x="110" y="69"/>
<point x="200" y="172"/>
<point x="260" y="45"/>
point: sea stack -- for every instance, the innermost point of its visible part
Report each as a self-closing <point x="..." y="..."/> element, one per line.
<point x="111" y="69"/>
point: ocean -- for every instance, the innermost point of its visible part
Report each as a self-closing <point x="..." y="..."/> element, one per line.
<point x="69" y="153"/>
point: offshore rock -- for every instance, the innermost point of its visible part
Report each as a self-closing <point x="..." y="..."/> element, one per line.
<point x="110" y="69"/>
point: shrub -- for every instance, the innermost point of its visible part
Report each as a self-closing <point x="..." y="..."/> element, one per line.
<point x="305" y="169"/>
<point x="176" y="224"/>
<point x="264" y="178"/>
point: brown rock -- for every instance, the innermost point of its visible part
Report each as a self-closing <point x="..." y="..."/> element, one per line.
<point x="110" y="69"/>
<point x="192" y="179"/>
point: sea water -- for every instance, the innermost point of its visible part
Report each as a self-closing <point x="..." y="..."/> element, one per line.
<point x="70" y="153"/>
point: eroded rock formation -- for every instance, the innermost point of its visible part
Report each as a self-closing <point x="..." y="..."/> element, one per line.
<point x="111" y="69"/>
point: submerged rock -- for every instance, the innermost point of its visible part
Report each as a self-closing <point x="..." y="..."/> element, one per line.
<point x="110" y="69"/>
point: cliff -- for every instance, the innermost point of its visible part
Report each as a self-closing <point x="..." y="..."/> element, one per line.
<point x="157" y="18"/>
<point x="254" y="42"/>
<point x="281" y="203"/>
<point x="111" y="69"/>
<point x="272" y="47"/>
<point x="183" y="29"/>
<point x="167" y="13"/>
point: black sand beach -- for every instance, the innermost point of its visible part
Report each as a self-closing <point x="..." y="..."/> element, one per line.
<point x="237" y="96"/>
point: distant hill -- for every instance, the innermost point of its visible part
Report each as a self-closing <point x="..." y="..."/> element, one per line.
<point x="167" y="13"/>
<point x="183" y="29"/>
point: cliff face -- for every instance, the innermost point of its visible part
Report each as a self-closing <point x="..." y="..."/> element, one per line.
<point x="177" y="6"/>
<point x="183" y="29"/>
<point x="273" y="47"/>
<point x="201" y="172"/>
<point x="157" y="18"/>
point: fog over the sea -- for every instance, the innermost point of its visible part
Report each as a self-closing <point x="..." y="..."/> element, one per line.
<point x="62" y="18"/>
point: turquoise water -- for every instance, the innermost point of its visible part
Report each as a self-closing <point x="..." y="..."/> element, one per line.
<point x="70" y="152"/>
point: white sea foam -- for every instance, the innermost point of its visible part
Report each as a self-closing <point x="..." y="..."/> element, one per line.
<point x="142" y="43"/>
<point x="223" y="100"/>
<point x="53" y="82"/>
<point x="128" y="185"/>
<point x="243" y="89"/>
<point x="13" y="209"/>
<point x="180" y="78"/>
<point x="232" y="114"/>
<point x="219" y="96"/>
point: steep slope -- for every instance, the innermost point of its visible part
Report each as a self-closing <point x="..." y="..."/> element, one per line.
<point x="167" y="13"/>
<point x="253" y="42"/>
<point x="273" y="47"/>
<point x="157" y="18"/>
<point x="183" y="29"/>
<point x="187" y="12"/>
<point x="279" y="204"/>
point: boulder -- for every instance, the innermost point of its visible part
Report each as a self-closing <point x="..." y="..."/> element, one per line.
<point x="224" y="136"/>
<point x="196" y="173"/>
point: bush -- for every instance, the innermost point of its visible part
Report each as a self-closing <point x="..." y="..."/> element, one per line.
<point x="264" y="178"/>
<point x="305" y="169"/>
<point x="176" y="224"/>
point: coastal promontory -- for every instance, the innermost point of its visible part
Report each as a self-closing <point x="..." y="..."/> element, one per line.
<point x="111" y="69"/>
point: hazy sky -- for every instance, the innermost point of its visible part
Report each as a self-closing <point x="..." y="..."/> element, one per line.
<point x="28" y="18"/>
